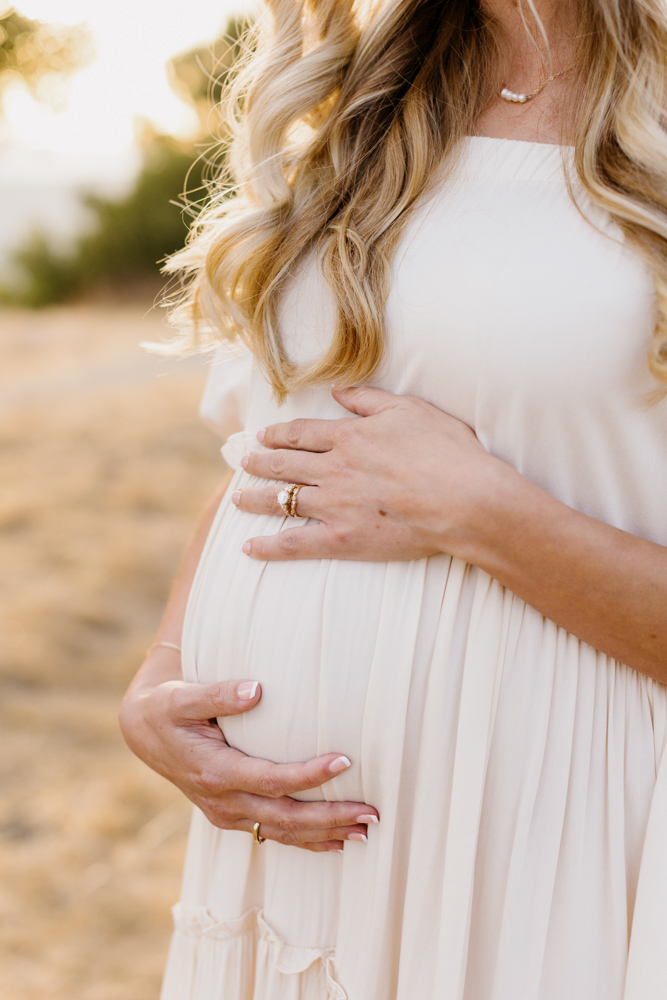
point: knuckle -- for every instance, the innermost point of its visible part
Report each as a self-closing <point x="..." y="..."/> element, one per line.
<point x="177" y="699"/>
<point x="271" y="502"/>
<point x="287" y="543"/>
<point x="219" y="695"/>
<point x="342" y="536"/>
<point x="295" y="431"/>
<point x="335" y="815"/>
<point x="268" y="784"/>
<point x="292" y="824"/>
<point x="212" y="816"/>
<point x="337" y="468"/>
<point x="345" y="432"/>
<point x="224" y="816"/>
<point x="277" y="463"/>
<point x="218" y="819"/>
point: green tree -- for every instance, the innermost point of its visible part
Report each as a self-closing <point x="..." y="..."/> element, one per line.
<point x="200" y="74"/>
<point x="127" y="240"/>
<point x="32" y="51"/>
<point x="131" y="236"/>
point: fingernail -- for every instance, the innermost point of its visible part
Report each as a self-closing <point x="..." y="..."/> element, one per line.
<point x="246" y="547"/>
<point x="236" y="497"/>
<point x="337" y="851"/>
<point x="247" y="690"/>
<point x="244" y="461"/>
<point x="358" y="836"/>
<point x="367" y="819"/>
<point x="261" y="435"/>
<point x="339" y="764"/>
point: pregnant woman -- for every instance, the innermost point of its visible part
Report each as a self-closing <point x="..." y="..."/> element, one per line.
<point x="411" y="672"/>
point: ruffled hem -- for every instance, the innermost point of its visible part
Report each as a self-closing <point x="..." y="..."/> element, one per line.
<point x="243" y="959"/>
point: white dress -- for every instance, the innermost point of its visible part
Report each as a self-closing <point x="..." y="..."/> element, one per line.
<point x="518" y="772"/>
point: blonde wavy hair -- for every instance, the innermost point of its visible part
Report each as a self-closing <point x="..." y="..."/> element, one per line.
<point x="341" y="116"/>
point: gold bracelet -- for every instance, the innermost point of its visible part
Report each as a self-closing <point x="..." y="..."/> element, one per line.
<point x="165" y="643"/>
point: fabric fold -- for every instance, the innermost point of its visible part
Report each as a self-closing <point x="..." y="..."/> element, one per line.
<point x="237" y="445"/>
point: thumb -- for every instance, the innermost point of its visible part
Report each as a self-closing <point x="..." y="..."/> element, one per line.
<point x="364" y="399"/>
<point x="200" y="702"/>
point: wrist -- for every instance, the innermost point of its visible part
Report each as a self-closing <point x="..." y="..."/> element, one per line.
<point x="161" y="664"/>
<point x="490" y="519"/>
<point x="164" y="644"/>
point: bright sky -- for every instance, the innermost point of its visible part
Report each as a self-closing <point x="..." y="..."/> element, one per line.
<point x="133" y="39"/>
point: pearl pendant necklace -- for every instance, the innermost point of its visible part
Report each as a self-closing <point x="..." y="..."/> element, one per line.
<point x="512" y="98"/>
<point x="508" y="95"/>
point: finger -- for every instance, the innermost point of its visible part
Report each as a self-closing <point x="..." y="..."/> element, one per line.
<point x="263" y="777"/>
<point x="311" y="542"/>
<point x="365" y="400"/>
<point x="298" y="838"/>
<point x="284" y="465"/>
<point x="200" y="702"/>
<point x="290" y="814"/>
<point x="266" y="832"/>
<point x="302" y="435"/>
<point x="264" y="500"/>
<point x="332" y="846"/>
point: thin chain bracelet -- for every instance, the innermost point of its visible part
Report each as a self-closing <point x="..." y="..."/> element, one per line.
<point x="166" y="644"/>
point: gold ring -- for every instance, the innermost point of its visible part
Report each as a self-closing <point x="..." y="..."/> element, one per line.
<point x="292" y="502"/>
<point x="256" y="835"/>
<point x="287" y="499"/>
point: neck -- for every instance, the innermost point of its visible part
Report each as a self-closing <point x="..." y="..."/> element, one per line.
<point x="538" y="36"/>
<point x="534" y="49"/>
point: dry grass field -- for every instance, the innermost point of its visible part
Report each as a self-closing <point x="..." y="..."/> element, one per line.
<point x="104" y="470"/>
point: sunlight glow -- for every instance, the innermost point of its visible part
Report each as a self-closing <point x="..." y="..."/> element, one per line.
<point x="133" y="39"/>
<point x="47" y="156"/>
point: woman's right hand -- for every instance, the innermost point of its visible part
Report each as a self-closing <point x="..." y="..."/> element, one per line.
<point x="172" y="727"/>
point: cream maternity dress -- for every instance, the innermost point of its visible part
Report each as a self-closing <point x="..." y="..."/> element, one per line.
<point x="519" y="773"/>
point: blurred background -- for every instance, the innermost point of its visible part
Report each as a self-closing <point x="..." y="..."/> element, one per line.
<point x="105" y="109"/>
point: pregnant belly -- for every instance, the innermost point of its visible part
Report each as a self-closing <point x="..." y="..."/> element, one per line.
<point x="325" y="638"/>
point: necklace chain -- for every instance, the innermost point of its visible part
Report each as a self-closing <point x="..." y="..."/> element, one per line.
<point x="513" y="98"/>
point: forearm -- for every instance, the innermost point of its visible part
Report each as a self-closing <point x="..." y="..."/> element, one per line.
<point x="606" y="586"/>
<point x="157" y="669"/>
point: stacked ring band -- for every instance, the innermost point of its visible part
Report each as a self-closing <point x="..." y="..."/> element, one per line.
<point x="287" y="499"/>
<point x="256" y="835"/>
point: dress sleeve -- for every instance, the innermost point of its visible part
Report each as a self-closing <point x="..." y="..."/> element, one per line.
<point x="223" y="405"/>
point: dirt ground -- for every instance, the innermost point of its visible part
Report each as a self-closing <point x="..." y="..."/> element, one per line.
<point x="104" y="469"/>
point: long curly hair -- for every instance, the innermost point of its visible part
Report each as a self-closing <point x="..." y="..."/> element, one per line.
<point x="341" y="116"/>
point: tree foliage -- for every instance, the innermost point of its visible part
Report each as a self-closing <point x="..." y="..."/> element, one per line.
<point x="130" y="237"/>
<point x="126" y="242"/>
<point x="199" y="75"/>
<point x="32" y="51"/>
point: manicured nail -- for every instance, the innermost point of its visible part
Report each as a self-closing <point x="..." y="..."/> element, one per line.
<point x="236" y="497"/>
<point x="367" y="819"/>
<point x="244" y="461"/>
<point x="339" y="764"/>
<point x="335" y="850"/>
<point x="261" y="435"/>
<point x="247" y="690"/>
<point x="246" y="547"/>
<point x="358" y="836"/>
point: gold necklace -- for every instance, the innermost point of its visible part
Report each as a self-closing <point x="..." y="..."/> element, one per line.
<point x="512" y="98"/>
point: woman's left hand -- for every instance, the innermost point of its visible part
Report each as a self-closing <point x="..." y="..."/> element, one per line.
<point x="403" y="482"/>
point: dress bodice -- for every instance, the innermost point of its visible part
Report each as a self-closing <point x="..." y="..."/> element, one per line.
<point x="525" y="315"/>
